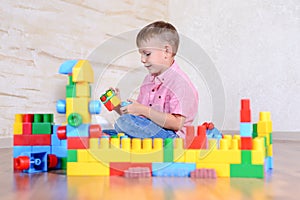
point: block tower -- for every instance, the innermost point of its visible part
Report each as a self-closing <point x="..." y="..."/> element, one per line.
<point x="254" y="147"/>
<point x="78" y="107"/>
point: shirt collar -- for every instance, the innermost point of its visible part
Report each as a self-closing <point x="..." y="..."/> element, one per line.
<point x="162" y="77"/>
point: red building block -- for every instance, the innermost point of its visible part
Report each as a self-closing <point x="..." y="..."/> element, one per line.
<point x="78" y="142"/>
<point x="199" y="141"/>
<point x="189" y="137"/>
<point x="118" y="168"/>
<point x="28" y="118"/>
<point x="95" y="131"/>
<point x="109" y="106"/>
<point x="245" y="113"/>
<point x="62" y="132"/>
<point x="32" y="140"/>
<point x="27" y="128"/>
<point x="246" y="143"/>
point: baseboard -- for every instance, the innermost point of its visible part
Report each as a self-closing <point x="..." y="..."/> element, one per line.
<point x="7" y="142"/>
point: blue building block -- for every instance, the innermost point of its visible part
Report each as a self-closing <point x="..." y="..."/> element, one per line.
<point x="67" y="67"/>
<point x="38" y="162"/>
<point x="80" y="131"/>
<point x="173" y="169"/>
<point x="246" y="129"/>
<point x="61" y="106"/>
<point x="55" y="141"/>
<point x="268" y="163"/>
<point x="213" y="133"/>
<point x="18" y="150"/>
<point x="59" y="151"/>
<point x="94" y="107"/>
<point x="39" y="149"/>
<point x="64" y="143"/>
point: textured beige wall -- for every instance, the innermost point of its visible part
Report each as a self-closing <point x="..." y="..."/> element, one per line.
<point x="254" y="46"/>
<point x="37" y="36"/>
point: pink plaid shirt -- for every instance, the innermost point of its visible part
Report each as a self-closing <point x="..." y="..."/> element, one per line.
<point x="171" y="92"/>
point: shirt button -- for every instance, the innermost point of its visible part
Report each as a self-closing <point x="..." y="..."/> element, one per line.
<point x="159" y="97"/>
<point x="150" y="104"/>
<point x="153" y="90"/>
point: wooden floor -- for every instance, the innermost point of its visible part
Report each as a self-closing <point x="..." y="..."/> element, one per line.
<point x="283" y="183"/>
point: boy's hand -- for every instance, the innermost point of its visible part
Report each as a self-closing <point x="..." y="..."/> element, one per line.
<point x="116" y="91"/>
<point x="134" y="108"/>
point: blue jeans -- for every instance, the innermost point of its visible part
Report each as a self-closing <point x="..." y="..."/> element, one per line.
<point x="140" y="127"/>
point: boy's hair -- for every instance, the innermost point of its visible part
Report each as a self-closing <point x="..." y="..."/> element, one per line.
<point x="161" y="30"/>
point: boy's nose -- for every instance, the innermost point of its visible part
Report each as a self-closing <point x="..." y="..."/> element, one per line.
<point x="143" y="59"/>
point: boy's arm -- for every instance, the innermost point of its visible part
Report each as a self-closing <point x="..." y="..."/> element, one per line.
<point x="169" y="121"/>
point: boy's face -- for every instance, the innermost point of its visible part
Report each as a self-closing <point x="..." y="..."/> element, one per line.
<point x="154" y="56"/>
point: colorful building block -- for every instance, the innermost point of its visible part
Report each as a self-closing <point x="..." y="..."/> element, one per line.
<point x="173" y="169"/>
<point x="142" y="150"/>
<point x="87" y="169"/>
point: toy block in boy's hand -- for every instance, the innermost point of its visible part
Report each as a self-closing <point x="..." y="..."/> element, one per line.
<point x="110" y="100"/>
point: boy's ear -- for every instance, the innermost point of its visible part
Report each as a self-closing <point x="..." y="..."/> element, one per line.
<point x="168" y="50"/>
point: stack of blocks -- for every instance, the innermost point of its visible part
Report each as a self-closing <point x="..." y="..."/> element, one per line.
<point x="85" y="151"/>
<point x="78" y="133"/>
<point x="33" y="150"/>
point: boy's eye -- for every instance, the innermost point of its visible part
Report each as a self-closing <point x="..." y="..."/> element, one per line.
<point x="147" y="53"/>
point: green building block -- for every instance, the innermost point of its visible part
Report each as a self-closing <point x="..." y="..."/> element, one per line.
<point x="271" y="138"/>
<point x="168" y="150"/>
<point x="41" y="128"/>
<point x="246" y="171"/>
<point x="70" y="91"/>
<point x="48" y="118"/>
<point x="64" y="163"/>
<point x="72" y="156"/>
<point x="71" y="80"/>
<point x="37" y="118"/>
<point x="254" y="133"/>
<point x="246" y="156"/>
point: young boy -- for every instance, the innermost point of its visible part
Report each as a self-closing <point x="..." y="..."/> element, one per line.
<point x="168" y="100"/>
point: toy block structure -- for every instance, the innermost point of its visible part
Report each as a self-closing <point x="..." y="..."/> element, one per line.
<point x="110" y="100"/>
<point x="32" y="151"/>
<point x="82" y="149"/>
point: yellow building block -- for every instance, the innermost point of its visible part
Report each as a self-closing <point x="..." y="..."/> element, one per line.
<point x="258" y="157"/>
<point x="79" y="105"/>
<point x="264" y="127"/>
<point x="178" y="151"/>
<point x="238" y="138"/>
<point x="18" y="128"/>
<point x="115" y="101"/>
<point x="18" y="118"/>
<point x="212" y="144"/>
<point x="18" y="125"/>
<point x="270" y="150"/>
<point x="145" y="152"/>
<point x="83" y="155"/>
<point x="190" y="155"/>
<point x="110" y="151"/>
<point x="229" y="139"/>
<point x="222" y="170"/>
<point x="83" y="72"/>
<point x="258" y="152"/>
<point x="87" y="169"/>
<point x="83" y="89"/>
<point x="264" y="116"/>
<point x="218" y="156"/>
